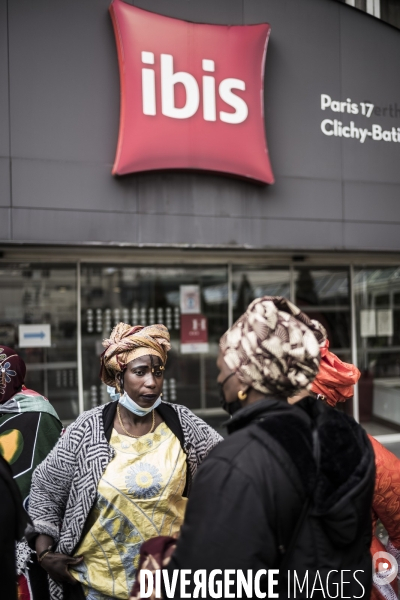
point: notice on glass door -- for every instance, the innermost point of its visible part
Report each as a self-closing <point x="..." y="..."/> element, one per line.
<point x="368" y="323"/>
<point x="34" y="336"/>
<point x="384" y="322"/>
<point x="190" y="299"/>
<point x="194" y="334"/>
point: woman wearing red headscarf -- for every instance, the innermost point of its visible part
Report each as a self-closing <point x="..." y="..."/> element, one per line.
<point x="29" y="428"/>
<point x="335" y="383"/>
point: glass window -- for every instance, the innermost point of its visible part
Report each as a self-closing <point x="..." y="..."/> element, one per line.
<point x="377" y="297"/>
<point x="145" y="295"/>
<point x="361" y="4"/>
<point x="390" y="12"/>
<point x="44" y="294"/>
<point x="250" y="282"/>
<point x="372" y="7"/>
<point x="324" y="294"/>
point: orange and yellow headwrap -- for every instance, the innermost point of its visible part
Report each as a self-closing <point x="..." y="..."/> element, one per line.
<point x="127" y="343"/>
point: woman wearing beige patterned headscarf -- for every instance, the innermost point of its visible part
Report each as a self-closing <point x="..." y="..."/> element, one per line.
<point x="120" y="475"/>
<point x="273" y="348"/>
<point x="291" y="487"/>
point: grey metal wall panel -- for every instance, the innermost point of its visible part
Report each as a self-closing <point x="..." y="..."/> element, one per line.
<point x="224" y="12"/>
<point x="182" y="229"/>
<point x="64" y="125"/>
<point x="369" y="52"/>
<point x="299" y="234"/>
<point x="64" y="82"/>
<point x="292" y="197"/>
<point x="5" y="225"/>
<point x="4" y="125"/>
<point x="296" y="197"/>
<point x="372" y="202"/>
<point x="302" y="62"/>
<point x="189" y="194"/>
<point x="371" y="236"/>
<point x="70" y="185"/>
<point x="5" y="182"/>
<point x="237" y="231"/>
<point x="62" y="226"/>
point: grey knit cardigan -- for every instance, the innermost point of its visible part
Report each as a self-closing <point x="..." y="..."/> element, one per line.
<point x="64" y="485"/>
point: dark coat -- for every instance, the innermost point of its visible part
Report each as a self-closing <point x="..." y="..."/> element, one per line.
<point x="249" y="493"/>
<point x="13" y="520"/>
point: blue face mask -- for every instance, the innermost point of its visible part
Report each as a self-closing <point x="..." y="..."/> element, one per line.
<point x="113" y="393"/>
<point x="128" y="403"/>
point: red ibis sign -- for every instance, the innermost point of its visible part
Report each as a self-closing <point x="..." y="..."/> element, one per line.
<point x="192" y="95"/>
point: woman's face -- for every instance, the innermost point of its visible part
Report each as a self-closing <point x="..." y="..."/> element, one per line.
<point x="143" y="380"/>
<point x="232" y="386"/>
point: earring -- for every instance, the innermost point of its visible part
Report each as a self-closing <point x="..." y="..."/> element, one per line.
<point x="242" y="395"/>
<point x="161" y="394"/>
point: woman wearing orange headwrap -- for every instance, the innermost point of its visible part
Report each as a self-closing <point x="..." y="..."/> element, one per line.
<point x="335" y="383"/>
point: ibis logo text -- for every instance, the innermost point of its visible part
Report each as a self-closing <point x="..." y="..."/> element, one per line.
<point x="170" y="79"/>
<point x="192" y="95"/>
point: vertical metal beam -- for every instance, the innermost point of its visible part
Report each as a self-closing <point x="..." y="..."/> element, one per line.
<point x="354" y="354"/>
<point x="79" y="337"/>
<point x="230" y="299"/>
<point x="203" y="401"/>
<point x="45" y="374"/>
<point x="292" y="286"/>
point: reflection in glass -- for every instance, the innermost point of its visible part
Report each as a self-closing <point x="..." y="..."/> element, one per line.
<point x="44" y="294"/>
<point x="377" y="295"/>
<point x="250" y="282"/>
<point x="324" y="295"/>
<point x="146" y="295"/>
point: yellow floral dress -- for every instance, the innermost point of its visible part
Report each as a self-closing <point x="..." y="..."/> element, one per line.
<point x="138" y="497"/>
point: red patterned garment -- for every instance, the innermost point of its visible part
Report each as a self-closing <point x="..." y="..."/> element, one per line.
<point x="386" y="507"/>
<point x="335" y="383"/>
<point x="23" y="588"/>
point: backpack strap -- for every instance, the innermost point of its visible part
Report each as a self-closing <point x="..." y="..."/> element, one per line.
<point x="307" y="505"/>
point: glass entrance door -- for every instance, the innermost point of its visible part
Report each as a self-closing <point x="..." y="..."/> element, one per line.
<point x="146" y="295"/>
<point x="43" y="295"/>
<point x="377" y="299"/>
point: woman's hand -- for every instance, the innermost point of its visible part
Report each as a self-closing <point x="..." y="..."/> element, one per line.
<point x="56" y="565"/>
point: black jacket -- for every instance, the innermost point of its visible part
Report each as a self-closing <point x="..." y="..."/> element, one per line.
<point x="248" y="495"/>
<point x="13" y="520"/>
